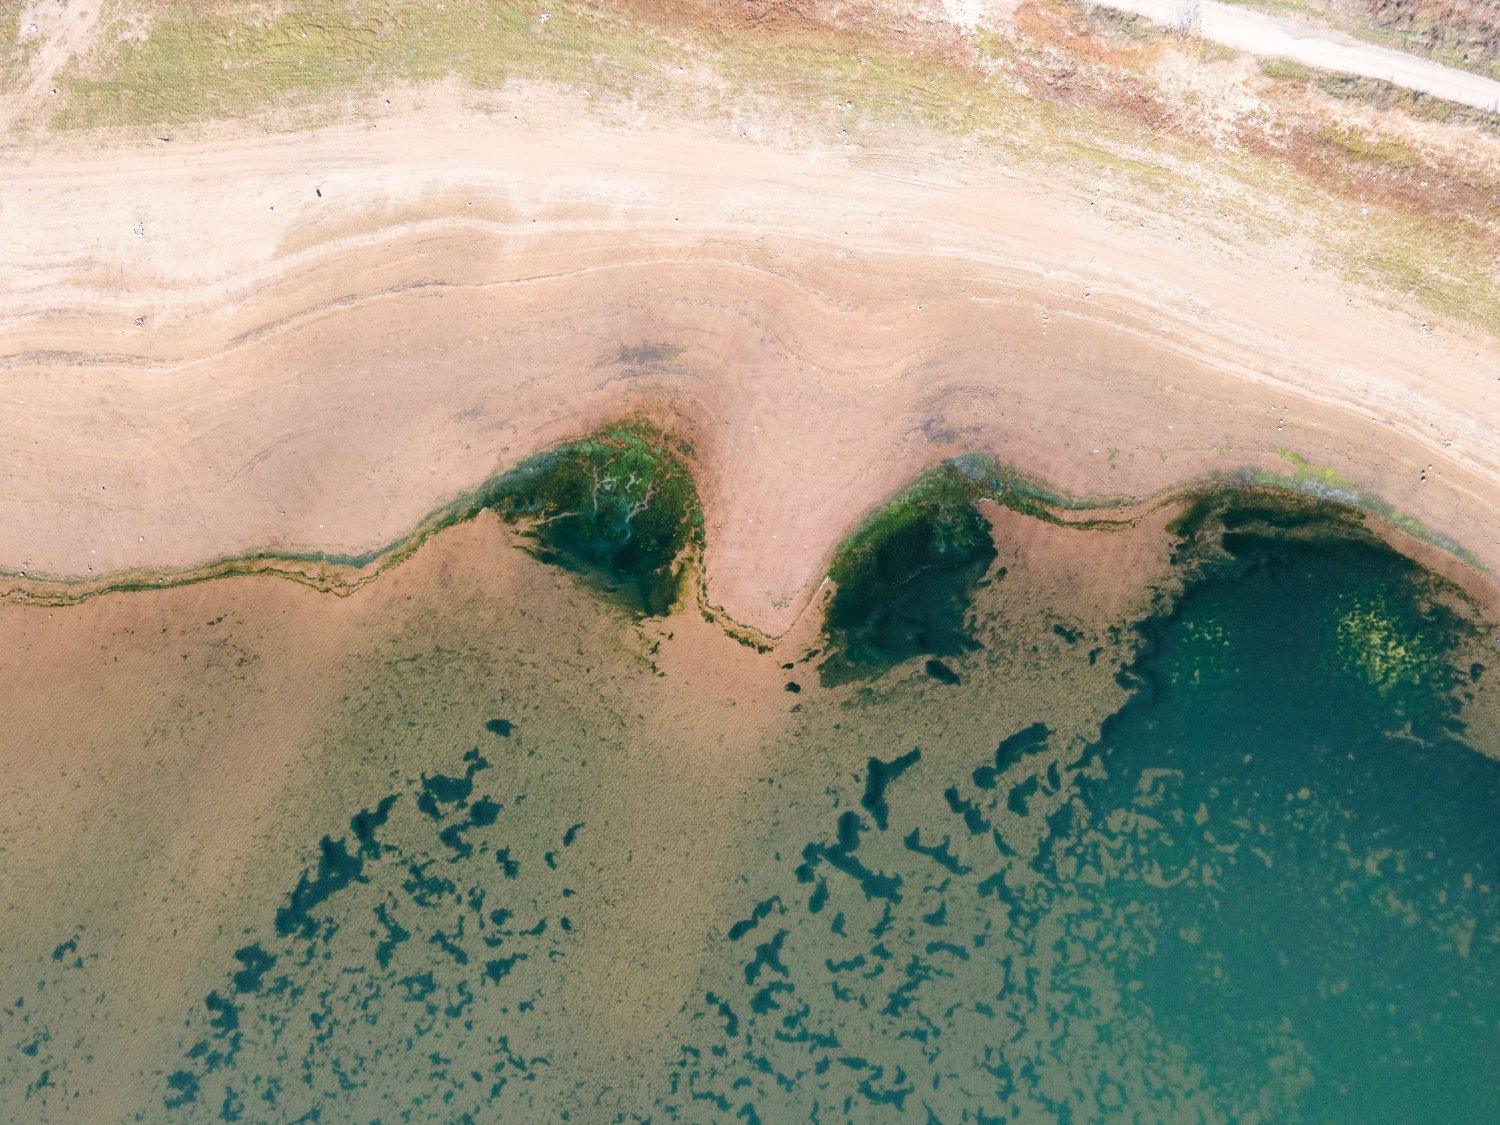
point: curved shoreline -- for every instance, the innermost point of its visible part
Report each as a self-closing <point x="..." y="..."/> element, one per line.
<point x="850" y="320"/>
<point x="993" y="481"/>
<point x="743" y="320"/>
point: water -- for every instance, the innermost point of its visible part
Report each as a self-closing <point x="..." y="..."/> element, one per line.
<point x="1265" y="891"/>
<point x="1233" y="856"/>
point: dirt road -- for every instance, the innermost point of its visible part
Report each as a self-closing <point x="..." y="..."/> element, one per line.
<point x="1257" y="33"/>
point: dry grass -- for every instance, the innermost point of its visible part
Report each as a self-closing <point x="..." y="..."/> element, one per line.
<point x="224" y="60"/>
<point x="15" y="52"/>
<point x="1378" y="94"/>
<point x="1459" y="32"/>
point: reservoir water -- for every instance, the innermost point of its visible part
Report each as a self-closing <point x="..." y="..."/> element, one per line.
<point x="1189" y="819"/>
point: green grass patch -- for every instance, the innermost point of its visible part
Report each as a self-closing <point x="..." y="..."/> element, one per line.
<point x="1442" y="270"/>
<point x="219" y="60"/>
<point x="1375" y="150"/>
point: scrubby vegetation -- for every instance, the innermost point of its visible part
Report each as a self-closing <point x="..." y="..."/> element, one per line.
<point x="1379" y="94"/>
<point x="1459" y="33"/>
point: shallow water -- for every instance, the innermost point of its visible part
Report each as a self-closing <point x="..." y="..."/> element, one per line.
<point x="1231" y="855"/>
<point x="1266" y="889"/>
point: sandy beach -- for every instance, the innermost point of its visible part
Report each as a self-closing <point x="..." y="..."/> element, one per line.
<point x="412" y="303"/>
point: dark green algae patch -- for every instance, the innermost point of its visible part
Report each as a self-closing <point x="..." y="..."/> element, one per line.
<point x="618" y="508"/>
<point x="1394" y="630"/>
<point x="406" y="974"/>
<point x="905" y="579"/>
<point x="1253" y="894"/>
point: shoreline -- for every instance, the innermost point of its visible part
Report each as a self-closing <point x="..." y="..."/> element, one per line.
<point x="420" y="292"/>
<point x="1022" y="493"/>
<point x="810" y="533"/>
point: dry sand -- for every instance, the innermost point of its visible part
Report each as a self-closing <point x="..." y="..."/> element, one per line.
<point x="219" y="346"/>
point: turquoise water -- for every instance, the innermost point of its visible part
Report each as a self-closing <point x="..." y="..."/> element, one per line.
<point x="1266" y="889"/>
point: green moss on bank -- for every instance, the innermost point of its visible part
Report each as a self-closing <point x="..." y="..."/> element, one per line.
<point x="1324" y="483"/>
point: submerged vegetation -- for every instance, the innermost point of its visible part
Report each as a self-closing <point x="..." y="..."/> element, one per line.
<point x="1185" y="903"/>
<point x="1396" y="631"/>
<point x="1375" y="640"/>
<point x="1244" y="885"/>
<point x="618" y="508"/>
<point x="906" y="577"/>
